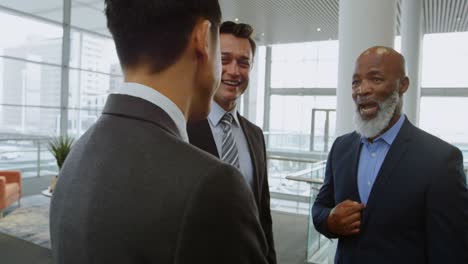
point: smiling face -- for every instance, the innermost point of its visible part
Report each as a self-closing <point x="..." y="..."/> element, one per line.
<point x="378" y="84"/>
<point x="236" y="57"/>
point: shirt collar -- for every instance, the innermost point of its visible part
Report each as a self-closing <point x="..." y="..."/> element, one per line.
<point x="151" y="95"/>
<point x="217" y="113"/>
<point x="390" y="135"/>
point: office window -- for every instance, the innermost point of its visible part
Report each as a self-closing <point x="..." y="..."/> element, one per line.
<point x="305" y="65"/>
<point x="397" y="44"/>
<point x="31" y="78"/>
<point x="29" y="121"/>
<point x="88" y="94"/>
<point x="30" y="94"/>
<point x="444" y="60"/>
<point x="89" y="15"/>
<point x="446" y="117"/>
<point x="257" y="99"/>
<point x="30" y="39"/>
<point x="291" y="122"/>
<point x="93" y="53"/>
<point x="53" y="10"/>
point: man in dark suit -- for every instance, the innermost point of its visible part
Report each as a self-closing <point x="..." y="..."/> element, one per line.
<point x="228" y="135"/>
<point x="392" y="193"/>
<point x="133" y="190"/>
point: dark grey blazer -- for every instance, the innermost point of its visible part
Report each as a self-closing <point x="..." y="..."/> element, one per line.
<point x="131" y="191"/>
<point x="200" y="135"/>
<point x="417" y="211"/>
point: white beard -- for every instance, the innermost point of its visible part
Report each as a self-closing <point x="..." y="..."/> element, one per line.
<point x="372" y="128"/>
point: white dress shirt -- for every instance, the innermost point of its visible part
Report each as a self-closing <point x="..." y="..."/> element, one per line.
<point x="151" y="95"/>
<point x="245" y="162"/>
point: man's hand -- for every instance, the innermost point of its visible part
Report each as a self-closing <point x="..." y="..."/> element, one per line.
<point x="345" y="218"/>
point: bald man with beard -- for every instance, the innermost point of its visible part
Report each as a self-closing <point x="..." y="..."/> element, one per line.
<point x="392" y="193"/>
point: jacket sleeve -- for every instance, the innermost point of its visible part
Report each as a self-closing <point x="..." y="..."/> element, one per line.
<point x="265" y="217"/>
<point x="221" y="223"/>
<point x="447" y="213"/>
<point x="325" y="200"/>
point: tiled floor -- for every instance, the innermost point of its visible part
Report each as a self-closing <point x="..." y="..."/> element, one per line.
<point x="289" y="223"/>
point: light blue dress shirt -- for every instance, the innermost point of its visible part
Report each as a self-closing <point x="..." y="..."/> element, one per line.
<point x="245" y="162"/>
<point x="372" y="157"/>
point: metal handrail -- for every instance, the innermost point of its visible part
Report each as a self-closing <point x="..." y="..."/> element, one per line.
<point x="278" y="157"/>
<point x="315" y="184"/>
<point x="37" y="142"/>
<point x="300" y="175"/>
<point x="305" y="179"/>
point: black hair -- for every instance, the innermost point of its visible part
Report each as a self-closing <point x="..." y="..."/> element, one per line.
<point x="239" y="30"/>
<point x="156" y="32"/>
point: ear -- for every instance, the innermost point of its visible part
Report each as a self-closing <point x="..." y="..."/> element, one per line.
<point x="404" y="84"/>
<point x="202" y="38"/>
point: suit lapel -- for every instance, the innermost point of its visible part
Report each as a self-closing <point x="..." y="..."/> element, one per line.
<point x="395" y="154"/>
<point x="253" y="155"/>
<point x="201" y="136"/>
<point x="139" y="109"/>
<point x="356" y="147"/>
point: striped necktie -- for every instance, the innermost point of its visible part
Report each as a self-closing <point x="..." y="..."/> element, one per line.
<point x="229" y="148"/>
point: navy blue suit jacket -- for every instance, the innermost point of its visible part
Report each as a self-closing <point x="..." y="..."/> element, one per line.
<point x="417" y="211"/>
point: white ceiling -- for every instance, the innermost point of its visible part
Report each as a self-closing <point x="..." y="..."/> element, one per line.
<point x="275" y="21"/>
<point x="298" y="20"/>
<point x="286" y="20"/>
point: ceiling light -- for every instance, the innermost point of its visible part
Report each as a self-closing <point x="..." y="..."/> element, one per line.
<point x="263" y="34"/>
<point x="319" y="29"/>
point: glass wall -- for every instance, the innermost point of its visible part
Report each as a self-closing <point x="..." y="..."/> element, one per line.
<point x="301" y="100"/>
<point x="30" y="81"/>
<point x="305" y="65"/>
<point x="444" y="59"/>
<point x="302" y="72"/>
<point x="31" y="72"/>
<point x="298" y="70"/>
<point x="291" y="122"/>
<point x="30" y="39"/>
<point x="95" y="73"/>
<point x="438" y="115"/>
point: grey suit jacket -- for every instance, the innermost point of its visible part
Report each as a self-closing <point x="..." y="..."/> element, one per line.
<point x="200" y="135"/>
<point x="131" y="191"/>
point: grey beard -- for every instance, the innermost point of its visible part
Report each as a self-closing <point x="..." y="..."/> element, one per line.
<point x="372" y="128"/>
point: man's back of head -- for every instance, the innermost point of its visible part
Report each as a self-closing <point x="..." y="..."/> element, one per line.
<point x="156" y="32"/>
<point x="158" y="41"/>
